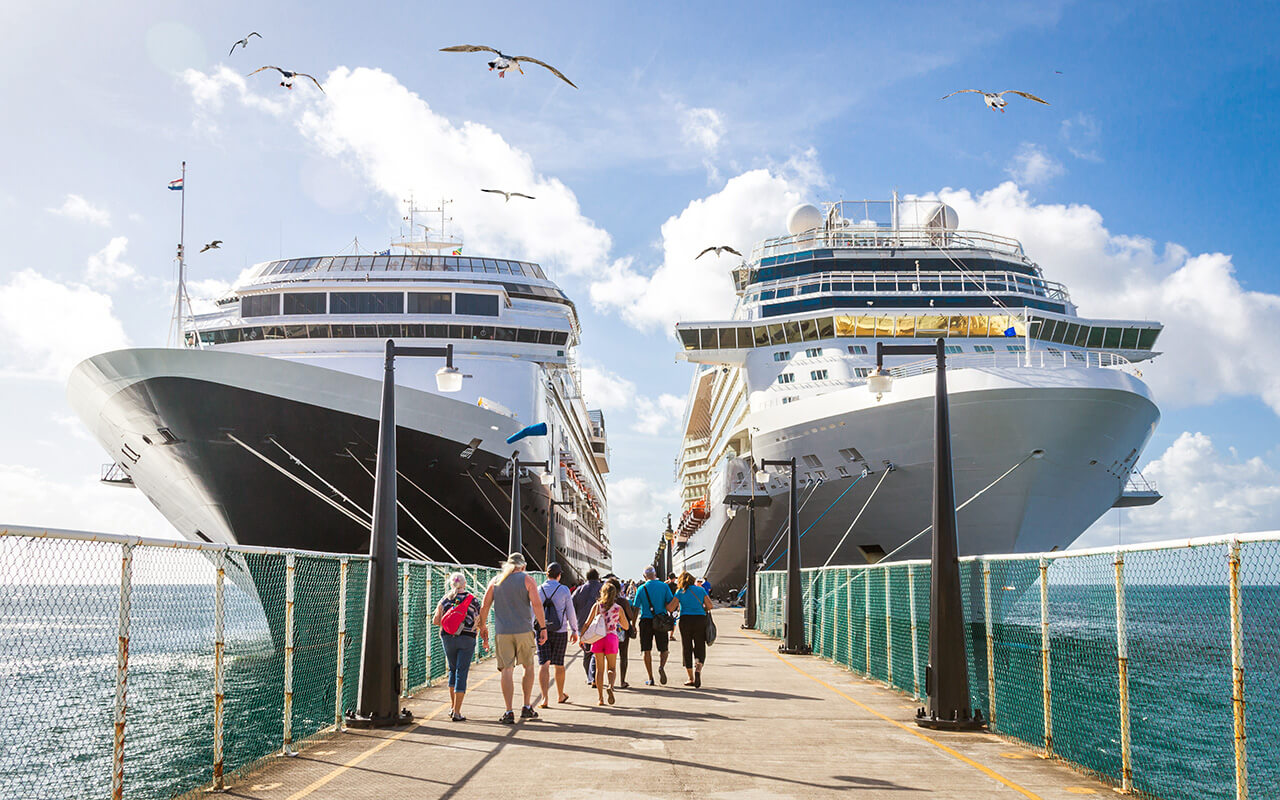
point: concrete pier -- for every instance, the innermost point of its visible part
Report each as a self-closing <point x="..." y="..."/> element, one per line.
<point x="763" y="725"/>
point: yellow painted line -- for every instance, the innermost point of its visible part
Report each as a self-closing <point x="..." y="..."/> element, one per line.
<point x="385" y="742"/>
<point x="990" y="773"/>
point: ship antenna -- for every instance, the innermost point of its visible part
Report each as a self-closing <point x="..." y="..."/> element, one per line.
<point x="175" y="323"/>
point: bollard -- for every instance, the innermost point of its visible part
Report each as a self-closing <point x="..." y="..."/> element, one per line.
<point x="342" y="641"/>
<point x="1122" y="673"/>
<point x="219" y="617"/>
<point x="122" y="670"/>
<point x="287" y="746"/>
<point x="1047" y="691"/>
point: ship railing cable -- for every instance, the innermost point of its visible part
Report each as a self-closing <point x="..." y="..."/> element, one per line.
<point x="503" y="517"/>
<point x="857" y="516"/>
<point x="403" y="508"/>
<point x="929" y="527"/>
<point x="448" y="510"/>
<point x="819" y="518"/>
<point x="777" y="537"/>
<point x="316" y="475"/>
<point x="336" y="505"/>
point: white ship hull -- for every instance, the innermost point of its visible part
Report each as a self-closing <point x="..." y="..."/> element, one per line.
<point x="1090" y="424"/>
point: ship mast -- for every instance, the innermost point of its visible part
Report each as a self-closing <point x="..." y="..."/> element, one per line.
<point x="180" y="297"/>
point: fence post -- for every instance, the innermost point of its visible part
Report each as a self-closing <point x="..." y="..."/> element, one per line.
<point x="288" y="653"/>
<point x="428" y="610"/>
<point x="1122" y="672"/>
<point x="342" y="641"/>
<point x="404" y="629"/>
<point x="915" y="645"/>
<point x="866" y="619"/>
<point x="1237" y="671"/>
<point x="122" y="669"/>
<point x="1044" y="656"/>
<point x="991" y="664"/>
<point x="848" y="601"/>
<point x="888" y="630"/>
<point x="219" y="618"/>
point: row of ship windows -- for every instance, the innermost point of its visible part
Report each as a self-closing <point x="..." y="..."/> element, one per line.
<point x="274" y="305"/>
<point x="256" y="333"/>
<point x="929" y="326"/>
<point x="402" y="262"/>
<point x="862" y="372"/>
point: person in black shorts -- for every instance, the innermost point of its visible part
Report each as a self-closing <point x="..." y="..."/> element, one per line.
<point x="654" y="597"/>
<point x="551" y="652"/>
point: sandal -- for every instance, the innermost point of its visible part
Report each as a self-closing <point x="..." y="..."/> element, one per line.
<point x="564" y="699"/>
<point x="697" y="680"/>
<point x="610" y="691"/>
<point x="662" y="675"/>
<point x="690" y="683"/>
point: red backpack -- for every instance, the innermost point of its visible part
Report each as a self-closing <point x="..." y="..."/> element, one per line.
<point x="452" y="620"/>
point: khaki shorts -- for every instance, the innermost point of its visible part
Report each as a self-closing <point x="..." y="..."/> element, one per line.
<point x="515" y="648"/>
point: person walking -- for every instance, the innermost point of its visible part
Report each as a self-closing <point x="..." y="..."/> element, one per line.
<point x="513" y="596"/>
<point x="695" y="604"/>
<point x="562" y="622"/>
<point x="584" y="597"/>
<point x="456" y="616"/>
<point x="653" y="598"/>
<point x="606" y="648"/>
<point x="624" y="638"/>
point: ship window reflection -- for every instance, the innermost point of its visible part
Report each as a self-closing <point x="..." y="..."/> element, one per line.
<point x="761" y="336"/>
<point x="845" y="326"/>
<point x="809" y="330"/>
<point x="957" y="326"/>
<point x="1147" y="338"/>
<point x="304" y="303"/>
<point x="366" y="303"/>
<point x="343" y="331"/>
<point x="265" y="305"/>
<point x="1111" y="338"/>
<point x="1129" y="339"/>
<point x="931" y="326"/>
<point x="430" y="303"/>
<point x="977" y="326"/>
<point x="1095" y="337"/>
<point x="744" y="338"/>
<point x="481" y="305"/>
<point x="792" y="330"/>
<point x="728" y="339"/>
<point x="709" y="341"/>
<point x="776" y="334"/>
<point x="884" y="326"/>
<point x="906" y="326"/>
<point x="366" y="331"/>
<point x="689" y="338"/>
<point x="826" y="327"/>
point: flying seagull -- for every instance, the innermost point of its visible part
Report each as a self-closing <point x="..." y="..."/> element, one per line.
<point x="505" y="62"/>
<point x="214" y="245"/>
<point x="995" y="100"/>
<point x="243" y="42"/>
<point x="288" y="77"/>
<point x="508" y="195"/>
<point x="724" y="248"/>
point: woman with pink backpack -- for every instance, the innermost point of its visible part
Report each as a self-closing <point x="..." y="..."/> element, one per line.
<point x="456" y="616"/>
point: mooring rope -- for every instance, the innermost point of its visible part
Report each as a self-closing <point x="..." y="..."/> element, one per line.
<point x="839" y="544"/>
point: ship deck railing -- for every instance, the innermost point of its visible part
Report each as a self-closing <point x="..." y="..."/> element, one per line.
<point x="856" y="237"/>
<point x="910" y="283"/>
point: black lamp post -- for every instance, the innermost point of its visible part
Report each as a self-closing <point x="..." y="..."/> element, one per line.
<point x="669" y="537"/>
<point x="947" y="674"/>
<point x="793" y="639"/>
<point x="378" y="701"/>
<point x="751" y="503"/>
<point x="515" y="540"/>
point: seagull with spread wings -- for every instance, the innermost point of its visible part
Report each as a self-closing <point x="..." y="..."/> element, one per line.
<point x="724" y="248"/>
<point x="216" y="244"/>
<point x="995" y="100"/>
<point x="509" y="195"/>
<point x="244" y="42"/>
<point x="288" y="77"/>
<point x="504" y="62"/>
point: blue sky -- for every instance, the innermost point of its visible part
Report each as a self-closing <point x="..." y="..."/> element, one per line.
<point x="1147" y="186"/>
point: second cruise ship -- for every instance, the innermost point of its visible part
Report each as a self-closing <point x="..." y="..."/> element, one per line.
<point x="1049" y="413"/>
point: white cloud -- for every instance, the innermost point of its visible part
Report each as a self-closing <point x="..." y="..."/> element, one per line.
<point x="1081" y="134"/>
<point x="106" y="268"/>
<point x="49" y="327"/>
<point x="1206" y="493"/>
<point x="637" y="511"/>
<point x="1205" y="310"/>
<point x="1032" y="166"/>
<point x="611" y="392"/>
<point x="751" y="206"/>
<point x="207" y="89"/>
<point x="77" y="208"/>
<point x="702" y="128"/>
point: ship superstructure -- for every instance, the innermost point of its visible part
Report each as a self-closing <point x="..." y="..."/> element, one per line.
<point x="1049" y="412"/>
<point x="263" y="428"/>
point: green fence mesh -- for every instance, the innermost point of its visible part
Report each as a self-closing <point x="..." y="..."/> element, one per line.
<point x="1148" y="640"/>
<point x="67" y="605"/>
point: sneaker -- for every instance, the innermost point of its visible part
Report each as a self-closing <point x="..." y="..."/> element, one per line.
<point x="508" y="718"/>
<point x="527" y="712"/>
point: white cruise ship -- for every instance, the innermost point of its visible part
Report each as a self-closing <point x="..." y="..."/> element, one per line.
<point x="1048" y="410"/>
<point x="263" y="428"/>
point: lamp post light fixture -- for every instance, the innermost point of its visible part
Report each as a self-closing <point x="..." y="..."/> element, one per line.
<point x="947" y="674"/>
<point x="793" y="638"/>
<point x="751" y="503"/>
<point x="378" y="699"/>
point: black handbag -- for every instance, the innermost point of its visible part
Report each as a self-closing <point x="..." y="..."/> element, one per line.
<point x="662" y="623"/>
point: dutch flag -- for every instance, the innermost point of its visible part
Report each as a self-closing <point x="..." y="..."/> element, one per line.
<point x="175" y="186"/>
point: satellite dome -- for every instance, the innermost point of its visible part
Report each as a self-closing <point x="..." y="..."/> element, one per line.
<point x="940" y="215"/>
<point x="804" y="217"/>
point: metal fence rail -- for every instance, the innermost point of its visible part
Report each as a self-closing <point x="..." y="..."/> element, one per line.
<point x="1136" y="663"/>
<point x="152" y="669"/>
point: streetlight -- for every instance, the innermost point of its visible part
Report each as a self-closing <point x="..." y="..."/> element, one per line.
<point x="947" y="674"/>
<point x="670" y="537"/>
<point x="378" y="700"/>
<point x="793" y="640"/>
<point x="751" y="502"/>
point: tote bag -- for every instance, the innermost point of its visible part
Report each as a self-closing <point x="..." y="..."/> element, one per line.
<point x="597" y="630"/>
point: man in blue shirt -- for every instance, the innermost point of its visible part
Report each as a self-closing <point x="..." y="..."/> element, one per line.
<point x="551" y="652"/>
<point x="654" y="597"/>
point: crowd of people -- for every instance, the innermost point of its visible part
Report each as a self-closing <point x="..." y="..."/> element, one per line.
<point x="599" y="616"/>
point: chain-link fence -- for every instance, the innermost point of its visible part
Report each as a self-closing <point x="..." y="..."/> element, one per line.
<point x="1135" y="663"/>
<point x="151" y="669"/>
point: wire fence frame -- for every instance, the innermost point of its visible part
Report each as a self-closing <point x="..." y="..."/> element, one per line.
<point x="833" y="611"/>
<point x="420" y="666"/>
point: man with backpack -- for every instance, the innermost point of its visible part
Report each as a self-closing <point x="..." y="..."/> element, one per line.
<point x="562" y="628"/>
<point x="584" y="597"/>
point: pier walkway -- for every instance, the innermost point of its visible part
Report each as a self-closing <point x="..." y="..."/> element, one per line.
<point x="763" y="725"/>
